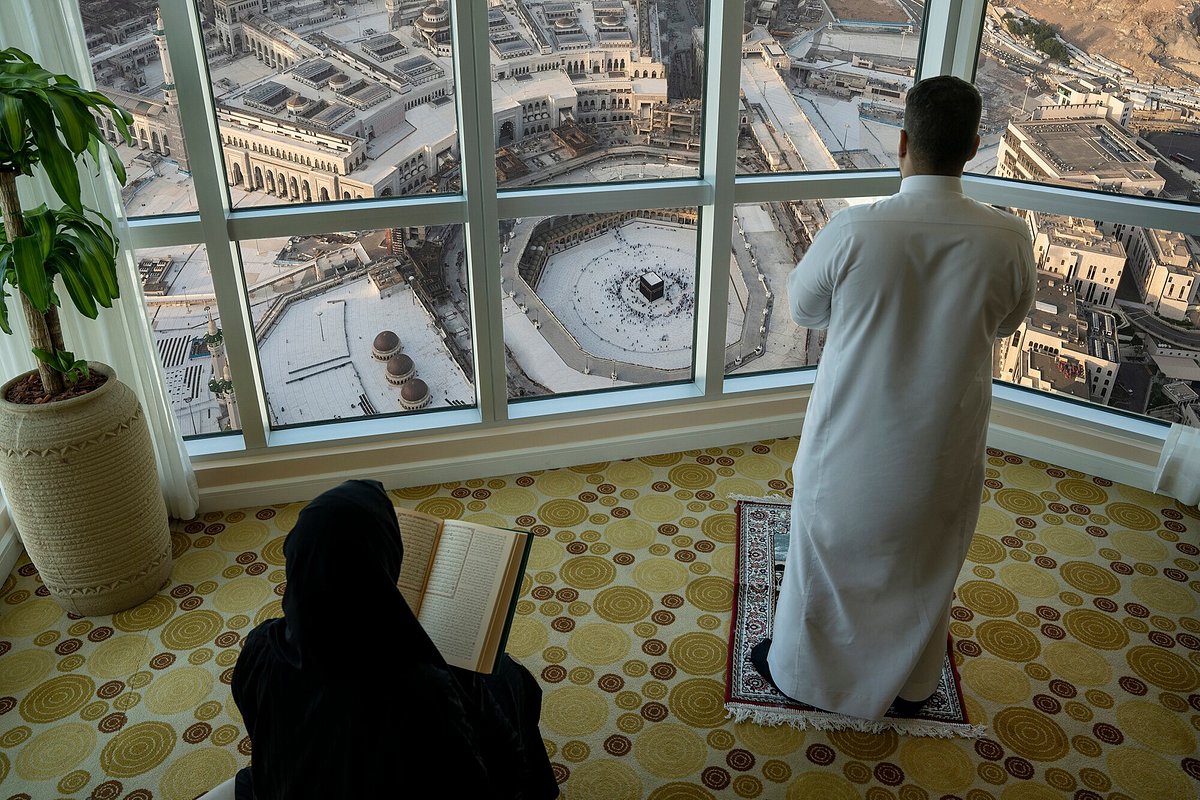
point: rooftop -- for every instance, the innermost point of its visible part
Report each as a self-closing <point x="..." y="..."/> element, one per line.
<point x="1087" y="147"/>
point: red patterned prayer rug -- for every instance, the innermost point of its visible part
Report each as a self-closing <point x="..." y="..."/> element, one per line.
<point x="762" y="543"/>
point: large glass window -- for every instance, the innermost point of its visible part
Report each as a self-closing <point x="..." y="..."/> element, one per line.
<point x="570" y="292"/>
<point x="319" y="102"/>
<point x="595" y="92"/>
<point x="1091" y="101"/>
<point x="1115" y="319"/>
<point x="596" y="301"/>
<point x="823" y="83"/>
<point x="361" y="324"/>
<point x="187" y="331"/>
<point x="768" y="240"/>
<point x="130" y="63"/>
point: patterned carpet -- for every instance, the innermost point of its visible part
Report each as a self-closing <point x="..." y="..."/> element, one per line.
<point x="1076" y="634"/>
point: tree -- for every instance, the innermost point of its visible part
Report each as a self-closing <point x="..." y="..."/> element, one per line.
<point x="48" y="120"/>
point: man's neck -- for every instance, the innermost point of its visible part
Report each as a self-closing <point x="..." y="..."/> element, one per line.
<point x="909" y="171"/>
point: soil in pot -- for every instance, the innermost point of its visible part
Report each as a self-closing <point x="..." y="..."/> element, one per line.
<point x="28" y="391"/>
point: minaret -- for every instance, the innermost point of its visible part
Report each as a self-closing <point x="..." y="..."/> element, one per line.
<point x="229" y="398"/>
<point x="221" y="383"/>
<point x="393" y="13"/>
<point x="160" y="39"/>
<point x="215" y="341"/>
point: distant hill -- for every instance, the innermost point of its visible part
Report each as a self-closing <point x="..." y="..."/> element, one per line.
<point x="1157" y="39"/>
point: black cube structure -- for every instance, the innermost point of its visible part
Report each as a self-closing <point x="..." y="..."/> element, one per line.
<point x="651" y="286"/>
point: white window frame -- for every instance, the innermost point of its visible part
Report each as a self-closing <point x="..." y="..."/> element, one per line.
<point x="952" y="32"/>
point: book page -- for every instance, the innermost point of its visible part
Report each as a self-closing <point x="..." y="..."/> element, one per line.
<point x="419" y="534"/>
<point x="461" y="593"/>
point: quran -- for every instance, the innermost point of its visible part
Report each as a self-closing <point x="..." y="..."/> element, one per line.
<point x="461" y="580"/>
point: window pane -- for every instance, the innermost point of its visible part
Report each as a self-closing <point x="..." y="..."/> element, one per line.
<point x="127" y="48"/>
<point x="824" y="83"/>
<point x="361" y="324"/>
<point x="597" y="301"/>
<point x="186" y="324"/>
<point x="1089" y="101"/>
<point x="596" y="91"/>
<point x="1116" y="318"/>
<point x="769" y="239"/>
<point x="322" y="102"/>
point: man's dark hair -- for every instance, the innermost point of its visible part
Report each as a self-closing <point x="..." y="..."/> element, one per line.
<point x="941" y="116"/>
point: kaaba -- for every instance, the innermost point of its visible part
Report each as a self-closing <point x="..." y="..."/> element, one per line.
<point x="651" y="286"/>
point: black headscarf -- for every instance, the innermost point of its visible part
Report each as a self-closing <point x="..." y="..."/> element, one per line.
<point x="341" y="606"/>
<point x="346" y="696"/>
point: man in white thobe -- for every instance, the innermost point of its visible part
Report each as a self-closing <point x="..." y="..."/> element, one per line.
<point x="914" y="290"/>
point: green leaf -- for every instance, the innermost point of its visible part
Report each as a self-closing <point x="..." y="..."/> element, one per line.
<point x="4" y="324"/>
<point x="63" y="361"/>
<point x="12" y="131"/>
<point x="40" y="224"/>
<point x="73" y="119"/>
<point x="31" y="272"/>
<point x="57" y="160"/>
<point x="77" y="288"/>
<point x="114" y="161"/>
<point x="5" y="259"/>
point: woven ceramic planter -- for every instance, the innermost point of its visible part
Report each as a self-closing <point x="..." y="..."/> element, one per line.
<point x="82" y="487"/>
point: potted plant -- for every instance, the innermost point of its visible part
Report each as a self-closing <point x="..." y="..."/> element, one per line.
<point x="76" y="461"/>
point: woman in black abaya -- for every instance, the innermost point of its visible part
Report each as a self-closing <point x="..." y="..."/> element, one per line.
<point x="347" y="697"/>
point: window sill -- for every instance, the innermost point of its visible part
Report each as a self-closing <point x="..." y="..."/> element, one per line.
<point x="455" y="445"/>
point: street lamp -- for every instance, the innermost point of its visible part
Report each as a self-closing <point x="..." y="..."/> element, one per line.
<point x="321" y="325"/>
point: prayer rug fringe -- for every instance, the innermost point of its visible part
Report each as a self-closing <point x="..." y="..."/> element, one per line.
<point x="772" y="498"/>
<point x="825" y="721"/>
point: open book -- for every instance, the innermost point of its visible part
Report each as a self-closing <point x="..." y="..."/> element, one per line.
<point x="461" y="580"/>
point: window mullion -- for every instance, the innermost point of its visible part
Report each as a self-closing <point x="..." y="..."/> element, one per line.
<point x="941" y="31"/>
<point x="967" y="38"/>
<point x="147" y="232"/>
<point x="184" y="38"/>
<point x="722" y="109"/>
<point x="478" y="168"/>
<point x="952" y="29"/>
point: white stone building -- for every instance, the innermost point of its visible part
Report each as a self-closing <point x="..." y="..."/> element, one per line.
<point x="1061" y="348"/>
<point x="1083" y="152"/>
<point x="1165" y="264"/>
<point x="1078" y="251"/>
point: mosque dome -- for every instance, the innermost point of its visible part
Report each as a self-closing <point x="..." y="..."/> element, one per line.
<point x="613" y="20"/>
<point x="564" y="23"/>
<point x="386" y="345"/>
<point x="415" y="394"/>
<point x="399" y="369"/>
<point x="434" y="17"/>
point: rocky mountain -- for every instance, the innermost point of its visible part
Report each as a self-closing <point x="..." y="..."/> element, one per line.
<point x="1157" y="39"/>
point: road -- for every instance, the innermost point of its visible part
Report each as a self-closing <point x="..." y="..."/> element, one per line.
<point x="1143" y="320"/>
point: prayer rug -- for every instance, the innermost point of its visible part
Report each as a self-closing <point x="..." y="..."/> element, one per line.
<point x="762" y="543"/>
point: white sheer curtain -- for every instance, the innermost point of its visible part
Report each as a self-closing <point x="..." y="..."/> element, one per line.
<point x="52" y="33"/>
<point x="1179" y="465"/>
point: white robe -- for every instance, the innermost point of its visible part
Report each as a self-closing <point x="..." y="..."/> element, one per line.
<point x="914" y="290"/>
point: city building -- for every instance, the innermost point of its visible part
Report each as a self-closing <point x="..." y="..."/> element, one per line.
<point x="1085" y="152"/>
<point x="674" y="124"/>
<point x="1060" y="347"/>
<point x="1165" y="265"/>
<point x="374" y="118"/>
<point x="1078" y="251"/>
